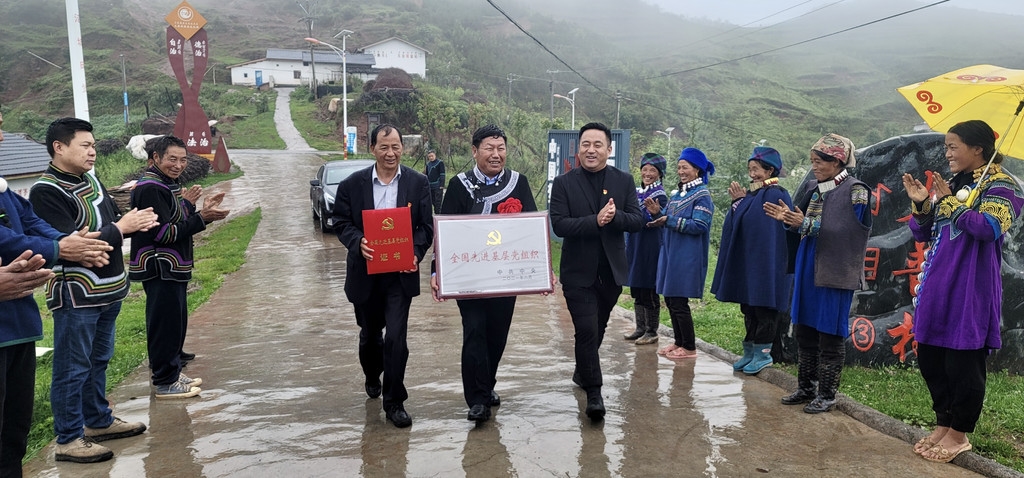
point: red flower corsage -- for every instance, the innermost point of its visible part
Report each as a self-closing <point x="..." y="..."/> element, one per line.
<point x="511" y="205"/>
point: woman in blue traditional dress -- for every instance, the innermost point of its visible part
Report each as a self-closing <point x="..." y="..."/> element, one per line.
<point x="683" y="262"/>
<point x="642" y="250"/>
<point x="959" y="299"/>
<point x="753" y="258"/>
<point x="834" y="225"/>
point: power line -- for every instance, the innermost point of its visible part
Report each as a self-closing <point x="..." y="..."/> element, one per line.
<point x="809" y="40"/>
<point x="759" y="30"/>
<point x="751" y="23"/>
<point x="545" y="48"/>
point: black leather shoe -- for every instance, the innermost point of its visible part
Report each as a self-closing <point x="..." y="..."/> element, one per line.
<point x="396" y="415"/>
<point x="479" y="413"/>
<point x="495" y="399"/>
<point x="595" y="407"/>
<point x="186" y="357"/>
<point x="373" y="387"/>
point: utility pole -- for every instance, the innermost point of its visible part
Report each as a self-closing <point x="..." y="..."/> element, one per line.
<point x="508" y="105"/>
<point x="551" y="93"/>
<point x="308" y="9"/>
<point x="80" y="93"/>
<point x="618" y="105"/>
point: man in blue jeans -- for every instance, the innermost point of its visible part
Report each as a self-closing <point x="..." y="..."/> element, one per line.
<point x="85" y="298"/>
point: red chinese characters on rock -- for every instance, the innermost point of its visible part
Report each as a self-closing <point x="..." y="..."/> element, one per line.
<point x="904" y="333"/>
<point x="510" y="206"/>
<point x="915" y="258"/>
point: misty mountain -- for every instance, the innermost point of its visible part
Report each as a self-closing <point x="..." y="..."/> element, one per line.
<point x="655" y="68"/>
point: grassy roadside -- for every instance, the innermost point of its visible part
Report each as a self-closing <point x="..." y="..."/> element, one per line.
<point x="254" y="131"/>
<point x="319" y="134"/>
<point x="217" y="254"/>
<point x="898" y="392"/>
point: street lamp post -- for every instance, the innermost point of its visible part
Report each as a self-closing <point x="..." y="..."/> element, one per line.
<point x="344" y="34"/>
<point x="668" y="134"/>
<point x="572" y="102"/>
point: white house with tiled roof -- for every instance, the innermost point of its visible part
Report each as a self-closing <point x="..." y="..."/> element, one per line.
<point x="398" y="53"/>
<point x="22" y="161"/>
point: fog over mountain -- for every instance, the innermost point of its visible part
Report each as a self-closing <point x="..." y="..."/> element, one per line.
<point x="768" y="12"/>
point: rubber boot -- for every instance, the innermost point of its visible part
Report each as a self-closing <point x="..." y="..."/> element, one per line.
<point x="827" y="388"/>
<point x="748" y="355"/>
<point x="762" y="358"/>
<point x="650" y="326"/>
<point x="638" y="312"/>
<point x="806" y="380"/>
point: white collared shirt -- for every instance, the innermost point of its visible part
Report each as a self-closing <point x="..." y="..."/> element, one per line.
<point x="385" y="196"/>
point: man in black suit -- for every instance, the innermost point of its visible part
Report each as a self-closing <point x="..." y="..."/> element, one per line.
<point x="593" y="227"/>
<point x="381" y="301"/>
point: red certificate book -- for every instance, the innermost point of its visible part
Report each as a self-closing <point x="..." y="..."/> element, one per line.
<point x="389" y="233"/>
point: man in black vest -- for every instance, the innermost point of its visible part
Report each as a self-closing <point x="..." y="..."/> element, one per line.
<point x="585" y="212"/>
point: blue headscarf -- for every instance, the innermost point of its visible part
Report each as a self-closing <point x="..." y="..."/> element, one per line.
<point x="697" y="158"/>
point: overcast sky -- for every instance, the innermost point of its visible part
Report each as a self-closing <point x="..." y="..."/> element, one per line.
<point x="742" y="12"/>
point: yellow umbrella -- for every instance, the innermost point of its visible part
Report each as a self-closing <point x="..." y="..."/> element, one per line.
<point x="984" y="92"/>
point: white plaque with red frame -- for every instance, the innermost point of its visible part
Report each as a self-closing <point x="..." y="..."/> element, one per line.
<point x="492" y="255"/>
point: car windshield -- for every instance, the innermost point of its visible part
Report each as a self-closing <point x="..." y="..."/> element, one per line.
<point x="336" y="175"/>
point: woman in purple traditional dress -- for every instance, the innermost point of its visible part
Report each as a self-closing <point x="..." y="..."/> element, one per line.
<point x="959" y="298"/>
<point x="642" y="253"/>
<point x="834" y="223"/>
<point x="753" y="258"/>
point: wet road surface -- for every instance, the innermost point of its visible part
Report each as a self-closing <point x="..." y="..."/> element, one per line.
<point x="283" y="391"/>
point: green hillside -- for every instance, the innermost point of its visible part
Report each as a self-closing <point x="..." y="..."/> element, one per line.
<point x="843" y="83"/>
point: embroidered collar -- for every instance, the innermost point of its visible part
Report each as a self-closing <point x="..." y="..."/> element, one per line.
<point x="79" y="177"/>
<point x="483" y="179"/>
<point x="826" y="186"/>
<point x="755" y="185"/>
<point x="644" y="189"/>
<point x="683" y="188"/>
<point x="992" y="171"/>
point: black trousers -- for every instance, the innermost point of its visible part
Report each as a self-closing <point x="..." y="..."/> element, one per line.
<point x="386" y="310"/>
<point x="682" y="322"/>
<point x="590" y="308"/>
<point x="17" y="393"/>
<point x="645" y="297"/>
<point x="760" y="323"/>
<point x="436" y="194"/>
<point x="956" y="381"/>
<point x="166" y="325"/>
<point x="827" y="348"/>
<point x="485" y="324"/>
